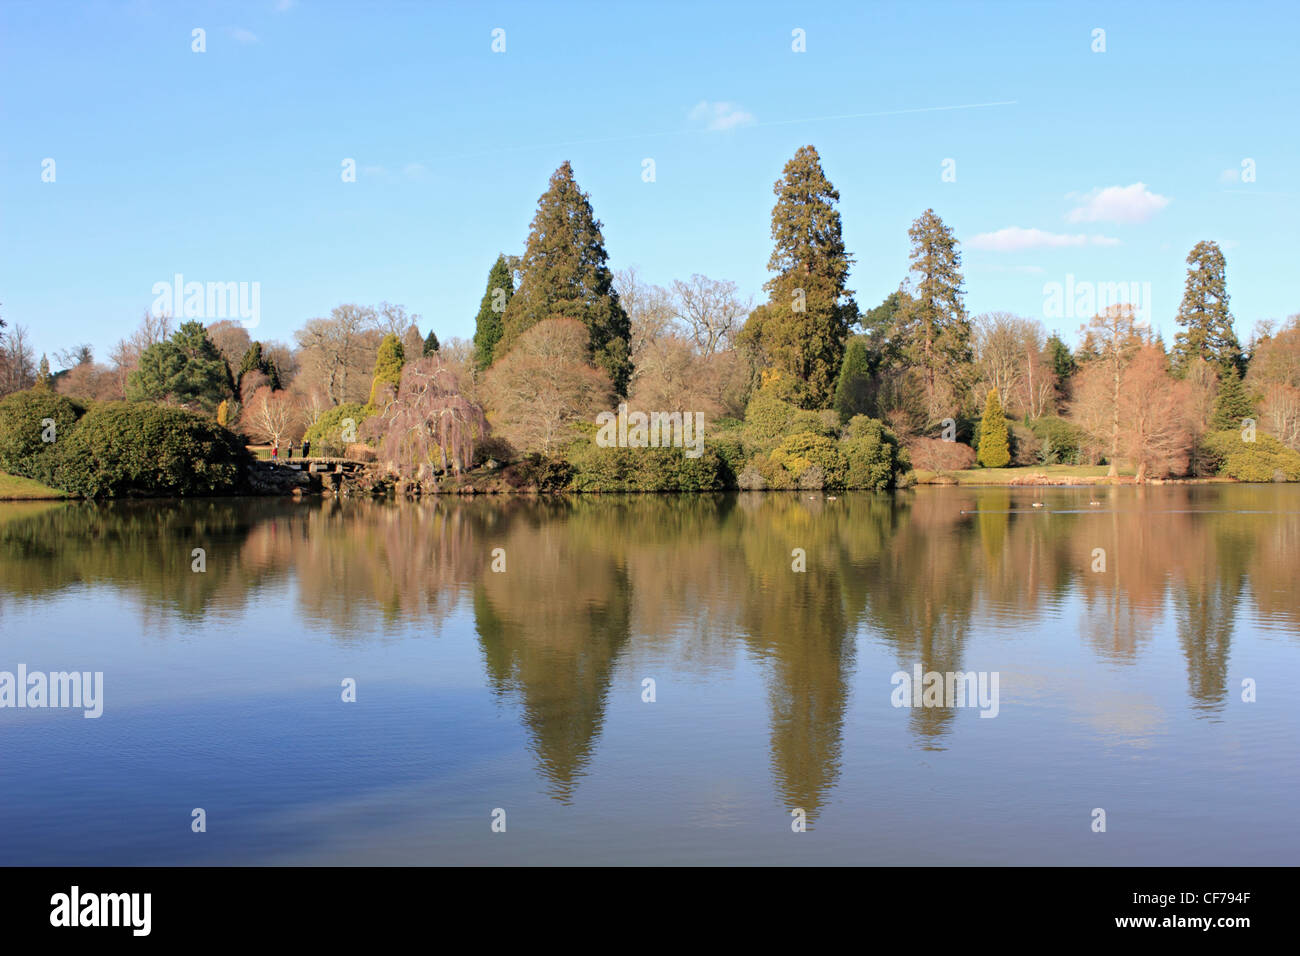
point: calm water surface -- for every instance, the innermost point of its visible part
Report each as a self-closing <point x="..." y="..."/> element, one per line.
<point x="522" y="690"/>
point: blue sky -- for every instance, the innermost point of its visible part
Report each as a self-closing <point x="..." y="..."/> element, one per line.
<point x="225" y="165"/>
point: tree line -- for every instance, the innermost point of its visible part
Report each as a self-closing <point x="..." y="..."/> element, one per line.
<point x="785" y="384"/>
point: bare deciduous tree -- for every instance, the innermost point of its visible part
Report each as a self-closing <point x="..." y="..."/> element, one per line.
<point x="710" y="309"/>
<point x="543" y="385"/>
<point x="272" y="416"/>
<point x="338" y="353"/>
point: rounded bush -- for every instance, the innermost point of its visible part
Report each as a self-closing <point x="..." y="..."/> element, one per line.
<point x="32" y="424"/>
<point x="128" y="448"/>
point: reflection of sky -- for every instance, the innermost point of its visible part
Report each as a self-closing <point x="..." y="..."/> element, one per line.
<point x="240" y="713"/>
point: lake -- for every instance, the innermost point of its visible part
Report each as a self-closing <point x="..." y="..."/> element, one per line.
<point x="652" y="679"/>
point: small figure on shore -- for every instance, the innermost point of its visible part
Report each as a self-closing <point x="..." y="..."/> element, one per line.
<point x="306" y="447"/>
<point x="275" y="451"/>
<point x="289" y="453"/>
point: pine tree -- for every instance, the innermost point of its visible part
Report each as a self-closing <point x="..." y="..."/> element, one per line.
<point x="853" y="390"/>
<point x="388" y="366"/>
<point x="933" y="324"/>
<point x="802" y="328"/>
<point x="186" y="368"/>
<point x="43" y="373"/>
<point x="487" y="327"/>
<point x="995" y="449"/>
<point x="1204" y="315"/>
<point x="1232" y="403"/>
<point x="566" y="276"/>
<point x="431" y="344"/>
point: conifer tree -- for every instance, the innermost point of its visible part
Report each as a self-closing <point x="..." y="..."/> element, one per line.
<point x="388" y="365"/>
<point x="933" y="325"/>
<point x="995" y="448"/>
<point x="487" y="327"/>
<point x="1204" y="315"/>
<point x="431" y="343"/>
<point x="802" y="328"/>
<point x="566" y="275"/>
<point x="1232" y="403"/>
<point x="853" y="390"/>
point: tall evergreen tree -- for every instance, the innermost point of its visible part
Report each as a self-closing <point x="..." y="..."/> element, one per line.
<point x="853" y="390"/>
<point x="43" y="373"/>
<point x="566" y="276"/>
<point x="1203" y="313"/>
<point x="487" y="327"/>
<point x="803" y="326"/>
<point x="431" y="343"/>
<point x="1063" y="364"/>
<point x="932" y="322"/>
<point x="1232" y="403"/>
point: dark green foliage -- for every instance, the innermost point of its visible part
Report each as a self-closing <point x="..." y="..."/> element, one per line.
<point x="802" y="328"/>
<point x="994" y="448"/>
<point x="431" y="343"/>
<point x="186" y="369"/>
<point x="541" y="472"/>
<point x="566" y="276"/>
<point x="878" y="322"/>
<point x="487" y="326"/>
<point x="643" y="469"/>
<point x="1059" y="440"/>
<point x="1264" y="459"/>
<point x="1204" y="315"/>
<point x="1063" y="364"/>
<point x="330" y="434"/>
<point x="876" y="459"/>
<point x="129" y="448"/>
<point x="24" y="429"/>
<point x="1232" y="403"/>
<point x="853" y="391"/>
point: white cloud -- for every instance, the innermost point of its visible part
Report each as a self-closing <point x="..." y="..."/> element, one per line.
<point x="243" y="36"/>
<point x="1230" y="177"/>
<point x="1133" y="203"/>
<point x="720" y="116"/>
<point x="1015" y="239"/>
<point x="284" y="6"/>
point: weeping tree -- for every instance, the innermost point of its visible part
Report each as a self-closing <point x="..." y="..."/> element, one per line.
<point x="427" y="421"/>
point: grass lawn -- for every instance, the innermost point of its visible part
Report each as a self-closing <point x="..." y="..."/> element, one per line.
<point x="13" y="488"/>
<point x="1021" y="475"/>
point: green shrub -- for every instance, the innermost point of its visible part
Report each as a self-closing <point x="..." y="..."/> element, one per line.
<point x="643" y="469"/>
<point x="1059" y="441"/>
<point x="541" y="472"/>
<point x="811" y="461"/>
<point x="1264" y="459"/>
<point x="127" y="448"/>
<point x="874" y="457"/>
<point x="330" y="435"/>
<point x="767" y="418"/>
<point x="28" y="442"/>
